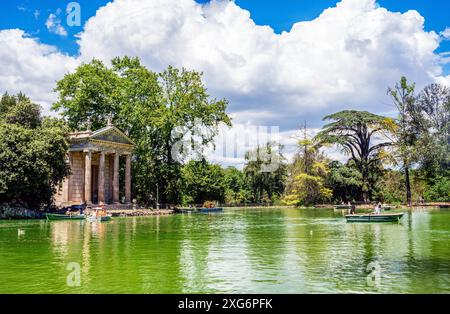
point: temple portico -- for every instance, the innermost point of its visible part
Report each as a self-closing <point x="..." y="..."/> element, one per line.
<point x="94" y="159"/>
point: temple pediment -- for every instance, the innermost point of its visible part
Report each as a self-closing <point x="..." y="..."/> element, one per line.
<point x="111" y="134"/>
<point x="106" y="138"/>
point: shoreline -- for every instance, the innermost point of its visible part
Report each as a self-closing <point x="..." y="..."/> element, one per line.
<point x="25" y="214"/>
<point x="140" y="212"/>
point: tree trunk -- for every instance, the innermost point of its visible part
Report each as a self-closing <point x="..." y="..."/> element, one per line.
<point x="407" y="185"/>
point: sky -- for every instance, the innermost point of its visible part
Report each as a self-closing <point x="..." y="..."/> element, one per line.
<point x="278" y="63"/>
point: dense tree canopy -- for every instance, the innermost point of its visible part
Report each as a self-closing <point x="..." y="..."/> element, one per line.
<point x="32" y="153"/>
<point x="265" y="172"/>
<point x="237" y="190"/>
<point x="307" y="173"/>
<point x="345" y="180"/>
<point x="203" y="182"/>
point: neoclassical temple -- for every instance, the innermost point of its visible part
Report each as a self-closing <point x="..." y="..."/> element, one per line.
<point x="94" y="158"/>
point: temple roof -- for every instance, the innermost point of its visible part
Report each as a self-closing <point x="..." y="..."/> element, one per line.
<point x="109" y="136"/>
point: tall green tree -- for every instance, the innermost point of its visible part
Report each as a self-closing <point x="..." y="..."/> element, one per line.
<point x="237" y="190"/>
<point x="305" y="184"/>
<point x="354" y="131"/>
<point x="202" y="182"/>
<point x="167" y="114"/>
<point x="265" y="172"/>
<point x="32" y="153"/>
<point x="434" y="104"/>
<point x="345" y="180"/>
<point x="407" y="129"/>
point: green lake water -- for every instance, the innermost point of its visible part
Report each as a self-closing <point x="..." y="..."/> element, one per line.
<point x="238" y="251"/>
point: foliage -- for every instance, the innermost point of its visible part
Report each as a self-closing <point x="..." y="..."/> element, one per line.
<point x="306" y="182"/>
<point x="265" y="172"/>
<point x="32" y="153"/>
<point x="307" y="190"/>
<point x="344" y="180"/>
<point x="237" y="190"/>
<point x="203" y="182"/>
<point x="434" y="147"/>
<point x="439" y="191"/>
<point x="407" y="132"/>
<point x="157" y="110"/>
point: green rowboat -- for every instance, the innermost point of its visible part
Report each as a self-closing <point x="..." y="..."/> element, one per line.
<point x="374" y="218"/>
<point x="64" y="217"/>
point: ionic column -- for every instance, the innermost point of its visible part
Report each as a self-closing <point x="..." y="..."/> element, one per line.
<point x="128" y="180"/>
<point x="116" y="179"/>
<point x="88" y="178"/>
<point x="101" y="179"/>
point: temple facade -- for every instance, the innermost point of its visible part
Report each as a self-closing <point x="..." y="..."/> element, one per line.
<point x="94" y="158"/>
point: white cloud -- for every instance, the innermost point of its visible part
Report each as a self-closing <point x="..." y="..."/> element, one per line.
<point x="446" y="33"/>
<point x="444" y="80"/>
<point x="53" y="24"/>
<point x="30" y="66"/>
<point x="345" y="58"/>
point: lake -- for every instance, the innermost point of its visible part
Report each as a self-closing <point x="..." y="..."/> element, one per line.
<point x="237" y="251"/>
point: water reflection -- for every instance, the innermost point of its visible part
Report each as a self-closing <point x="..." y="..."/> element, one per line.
<point x="246" y="251"/>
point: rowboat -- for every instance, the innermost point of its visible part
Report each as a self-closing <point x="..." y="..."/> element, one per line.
<point x="64" y="217"/>
<point x="210" y="210"/>
<point x="374" y="217"/>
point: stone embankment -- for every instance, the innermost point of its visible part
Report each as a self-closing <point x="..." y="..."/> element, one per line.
<point x="139" y="212"/>
<point x="14" y="212"/>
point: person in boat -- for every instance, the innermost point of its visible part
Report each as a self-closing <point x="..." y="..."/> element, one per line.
<point x="378" y="209"/>
<point x="353" y="209"/>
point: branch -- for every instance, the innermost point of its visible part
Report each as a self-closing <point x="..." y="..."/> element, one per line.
<point x="376" y="147"/>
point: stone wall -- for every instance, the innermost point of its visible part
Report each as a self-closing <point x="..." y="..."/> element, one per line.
<point x="76" y="181"/>
<point x="13" y="212"/>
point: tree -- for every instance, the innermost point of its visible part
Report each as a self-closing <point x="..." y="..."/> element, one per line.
<point x="237" y="191"/>
<point x="203" y="182"/>
<point x="307" y="190"/>
<point x="32" y="153"/>
<point x="344" y="180"/>
<point x="407" y="128"/>
<point x="306" y="180"/>
<point x="265" y="172"/>
<point x="168" y="115"/>
<point x="354" y="132"/>
<point x="434" y="105"/>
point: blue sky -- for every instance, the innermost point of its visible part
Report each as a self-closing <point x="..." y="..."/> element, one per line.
<point x="279" y="14"/>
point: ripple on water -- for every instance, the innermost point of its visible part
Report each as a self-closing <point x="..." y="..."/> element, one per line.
<point x="262" y="251"/>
